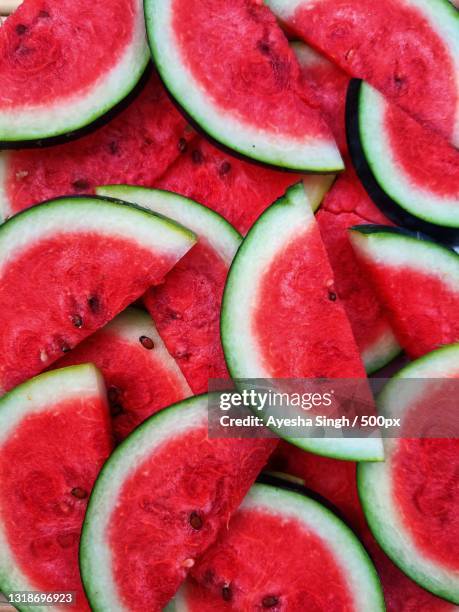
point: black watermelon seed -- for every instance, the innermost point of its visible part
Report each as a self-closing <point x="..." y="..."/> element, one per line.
<point x="80" y="185"/>
<point x="147" y="342"/>
<point x="77" y="320"/>
<point x="332" y="296"/>
<point x="195" y="521"/>
<point x="197" y="156"/>
<point x="79" y="493"/>
<point x="270" y="601"/>
<point x="224" y="168"/>
<point x="21" y="29"/>
<point x="94" y="304"/>
<point x="65" y="348"/>
<point x="226" y="593"/>
<point x="182" y="145"/>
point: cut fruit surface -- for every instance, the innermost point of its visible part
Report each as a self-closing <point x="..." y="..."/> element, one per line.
<point x="281" y="315"/>
<point x="408" y="50"/>
<point x="251" y="99"/>
<point x="136" y="146"/>
<point x="166" y="473"/>
<point x="283" y="549"/>
<point x="409" y="500"/>
<point x="55" y="437"/>
<point x="416" y="280"/>
<point x="385" y="143"/>
<point x="89" y="258"/>
<point x="141" y="376"/>
<point x="56" y="73"/>
<point x="186" y="307"/>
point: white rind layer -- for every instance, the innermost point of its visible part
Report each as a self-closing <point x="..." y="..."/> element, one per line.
<point x="415" y="198"/>
<point x="37" y="396"/>
<point x="375" y="480"/>
<point x="202" y="221"/>
<point x="96" y="559"/>
<point x="360" y="575"/>
<point x="381" y="352"/>
<point x="73" y="112"/>
<point x="228" y="128"/>
<point x="96" y="216"/>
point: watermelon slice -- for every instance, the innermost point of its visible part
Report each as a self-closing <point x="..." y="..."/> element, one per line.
<point x="407" y="50"/>
<point x="266" y="334"/>
<point x="417" y="281"/>
<point x="385" y="144"/>
<point x="230" y="68"/>
<point x="284" y="551"/>
<point x="63" y="65"/>
<point x="238" y="190"/>
<point x="55" y="437"/>
<point x="409" y="500"/>
<point x="137" y="146"/>
<point x="140" y="375"/>
<point x="186" y="307"/>
<point x="88" y="258"/>
<point x="158" y="503"/>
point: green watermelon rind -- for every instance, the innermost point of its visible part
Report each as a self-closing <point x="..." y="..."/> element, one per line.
<point x="95" y="559"/>
<point x="223" y="127"/>
<point x="373" y="483"/>
<point x="106" y="93"/>
<point x="360" y="573"/>
<point x="293" y="210"/>
<point x="381" y="352"/>
<point x="201" y="220"/>
<point x="50" y="387"/>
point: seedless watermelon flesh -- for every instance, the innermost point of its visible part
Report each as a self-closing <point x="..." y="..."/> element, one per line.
<point x="407" y="50"/>
<point x="186" y="307"/>
<point x="410" y="502"/>
<point x="229" y="66"/>
<point x="284" y="551"/>
<point x="55" y="437"/>
<point x="136" y="146"/>
<point x="140" y="375"/>
<point x="416" y="280"/>
<point x="89" y="258"/>
<point x="159" y="502"/>
<point x="63" y="65"/>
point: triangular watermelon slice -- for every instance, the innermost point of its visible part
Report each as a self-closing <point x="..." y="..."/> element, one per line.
<point x="230" y="68"/>
<point x="282" y="316"/>
<point x="417" y="281"/>
<point x="407" y="50"/>
<point x="283" y="551"/>
<point x="136" y="146"/>
<point x="56" y="73"/>
<point x="55" y="436"/>
<point x="141" y="376"/>
<point x="158" y="503"/>
<point x="186" y="306"/>
<point x="69" y="266"/>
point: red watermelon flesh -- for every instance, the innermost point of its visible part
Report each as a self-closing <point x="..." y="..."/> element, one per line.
<point x="347" y="204"/>
<point x="239" y="190"/>
<point x="140" y="375"/>
<point x="136" y="147"/>
<point x="186" y="311"/>
<point x="48" y="468"/>
<point x="392" y="45"/>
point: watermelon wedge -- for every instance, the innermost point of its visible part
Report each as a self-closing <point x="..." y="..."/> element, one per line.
<point x="417" y="281"/>
<point x="186" y="307"/>
<point x="307" y="335"/>
<point x="57" y="76"/>
<point x="141" y="376"/>
<point x="283" y="550"/>
<point x="385" y="144"/>
<point x="158" y="503"/>
<point x="137" y="146"/>
<point x="55" y="437"/>
<point x="409" y="51"/>
<point x="229" y="66"/>
<point x="409" y="500"/>
<point x="88" y="258"/>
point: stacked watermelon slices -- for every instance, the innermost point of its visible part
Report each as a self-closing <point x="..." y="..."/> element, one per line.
<point x="249" y="206"/>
